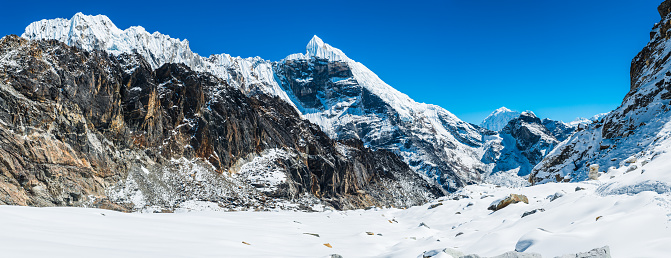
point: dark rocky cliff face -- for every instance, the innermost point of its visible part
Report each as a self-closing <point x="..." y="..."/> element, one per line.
<point x="90" y="129"/>
<point x="631" y="128"/>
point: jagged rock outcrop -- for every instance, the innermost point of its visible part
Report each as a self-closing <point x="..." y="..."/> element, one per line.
<point x="89" y="128"/>
<point x="630" y="130"/>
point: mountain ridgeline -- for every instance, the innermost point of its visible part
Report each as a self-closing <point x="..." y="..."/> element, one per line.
<point x="89" y="128"/>
<point x="92" y="115"/>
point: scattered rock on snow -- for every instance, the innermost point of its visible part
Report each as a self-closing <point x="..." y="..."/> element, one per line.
<point x="336" y="256"/>
<point x="513" y="254"/>
<point x="424" y="225"/>
<point x="578" y="188"/>
<point x="312" y="234"/>
<point x="555" y="196"/>
<point x="512" y="198"/>
<point x="437" y="253"/>
<point x="435" y="205"/>
<point x="532" y="212"/>
<point x="328" y="245"/>
<point x="603" y="252"/>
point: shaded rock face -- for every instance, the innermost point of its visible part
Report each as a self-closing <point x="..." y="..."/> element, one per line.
<point x="328" y="94"/>
<point x="630" y="129"/>
<point x="560" y="130"/>
<point x="91" y="129"/>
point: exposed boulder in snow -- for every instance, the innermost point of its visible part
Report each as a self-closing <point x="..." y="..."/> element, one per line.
<point x="511" y="199"/>
<point x="602" y="252"/>
<point x="593" y="172"/>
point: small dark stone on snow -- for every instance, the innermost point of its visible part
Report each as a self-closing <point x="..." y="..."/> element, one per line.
<point x="435" y="205"/>
<point x="532" y="212"/>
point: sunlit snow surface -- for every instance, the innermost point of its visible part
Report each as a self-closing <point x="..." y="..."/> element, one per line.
<point x="632" y="220"/>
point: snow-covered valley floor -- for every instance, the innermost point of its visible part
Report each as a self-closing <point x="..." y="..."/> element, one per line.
<point x="634" y="225"/>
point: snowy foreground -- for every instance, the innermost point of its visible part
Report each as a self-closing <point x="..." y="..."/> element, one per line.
<point x="632" y="225"/>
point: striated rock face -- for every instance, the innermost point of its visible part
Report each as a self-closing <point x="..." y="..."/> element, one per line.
<point x="632" y="128"/>
<point x="93" y="129"/>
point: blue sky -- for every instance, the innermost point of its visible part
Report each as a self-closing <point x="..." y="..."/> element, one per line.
<point x="560" y="59"/>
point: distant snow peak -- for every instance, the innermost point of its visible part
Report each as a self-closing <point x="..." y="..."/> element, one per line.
<point x="318" y="49"/>
<point x="499" y="119"/>
<point x="502" y="109"/>
<point x="528" y="113"/>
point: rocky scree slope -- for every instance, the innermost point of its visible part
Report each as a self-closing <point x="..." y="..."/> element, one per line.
<point x="635" y="130"/>
<point x="87" y="128"/>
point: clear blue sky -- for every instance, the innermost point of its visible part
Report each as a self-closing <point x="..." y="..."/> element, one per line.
<point x="560" y="59"/>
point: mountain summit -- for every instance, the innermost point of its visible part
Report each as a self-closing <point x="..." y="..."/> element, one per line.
<point x="499" y="118"/>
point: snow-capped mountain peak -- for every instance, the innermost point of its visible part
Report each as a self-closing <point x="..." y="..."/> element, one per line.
<point x="499" y="119"/>
<point x="318" y="49"/>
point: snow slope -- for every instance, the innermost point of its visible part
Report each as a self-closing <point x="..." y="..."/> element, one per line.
<point x="632" y="224"/>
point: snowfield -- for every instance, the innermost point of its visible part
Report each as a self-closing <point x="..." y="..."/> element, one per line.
<point x="569" y="218"/>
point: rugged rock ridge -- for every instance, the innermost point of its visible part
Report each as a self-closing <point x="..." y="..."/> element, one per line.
<point x="93" y="129"/>
<point x="342" y="96"/>
<point x="524" y="142"/>
<point x="250" y="75"/>
<point x="452" y="158"/>
<point x="349" y="102"/>
<point x="632" y="128"/>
